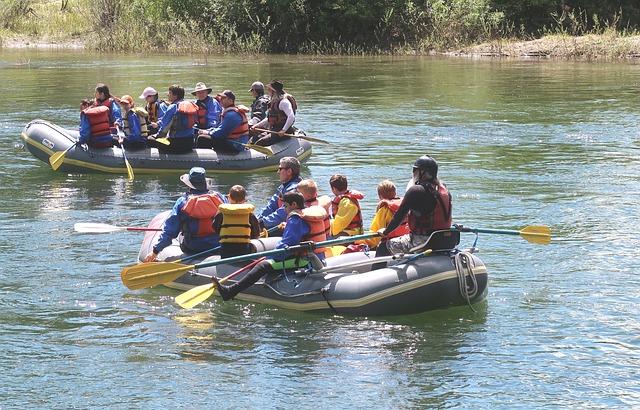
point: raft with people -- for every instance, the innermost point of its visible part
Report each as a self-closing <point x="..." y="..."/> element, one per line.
<point x="355" y="283"/>
<point x="44" y="139"/>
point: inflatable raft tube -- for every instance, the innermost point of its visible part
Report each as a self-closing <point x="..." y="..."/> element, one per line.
<point x="43" y="138"/>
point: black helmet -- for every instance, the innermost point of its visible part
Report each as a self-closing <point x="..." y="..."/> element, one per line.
<point x="427" y="163"/>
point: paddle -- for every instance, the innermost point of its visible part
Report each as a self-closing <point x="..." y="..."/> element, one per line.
<point x="539" y="234"/>
<point x="144" y="275"/>
<point x="88" y="227"/>
<point x="199" y="294"/>
<point x="124" y="155"/>
<point x="303" y="137"/>
<point x="58" y="158"/>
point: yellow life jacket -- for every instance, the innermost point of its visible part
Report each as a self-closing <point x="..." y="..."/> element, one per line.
<point x="144" y="119"/>
<point x="235" y="223"/>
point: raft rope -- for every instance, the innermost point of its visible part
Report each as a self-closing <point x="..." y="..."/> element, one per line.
<point x="464" y="264"/>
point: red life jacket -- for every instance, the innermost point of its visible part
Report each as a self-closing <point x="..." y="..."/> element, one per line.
<point x="187" y="116"/>
<point x="202" y="114"/>
<point x="202" y="208"/>
<point x="243" y="128"/>
<point x="394" y="205"/>
<point x="106" y="103"/>
<point x="439" y="219"/>
<point x="99" y="122"/>
<point x="354" y="196"/>
<point x="316" y="217"/>
<point x="277" y="117"/>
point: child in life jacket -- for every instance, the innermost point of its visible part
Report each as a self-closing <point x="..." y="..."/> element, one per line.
<point x="236" y="224"/>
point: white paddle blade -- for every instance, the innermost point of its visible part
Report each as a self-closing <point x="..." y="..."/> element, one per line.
<point x="87" y="227"/>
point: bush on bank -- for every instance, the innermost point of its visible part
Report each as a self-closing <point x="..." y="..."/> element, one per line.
<point x="306" y="26"/>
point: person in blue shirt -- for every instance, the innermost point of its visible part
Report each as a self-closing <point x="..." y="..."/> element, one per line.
<point x="232" y="132"/>
<point x="209" y="109"/>
<point x="134" y="124"/>
<point x="303" y="224"/>
<point x="193" y="215"/>
<point x="289" y="173"/>
<point x="177" y="123"/>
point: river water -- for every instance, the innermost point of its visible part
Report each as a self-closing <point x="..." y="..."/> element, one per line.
<point x="519" y="143"/>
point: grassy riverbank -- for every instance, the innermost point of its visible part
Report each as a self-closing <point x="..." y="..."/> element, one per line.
<point x="456" y="27"/>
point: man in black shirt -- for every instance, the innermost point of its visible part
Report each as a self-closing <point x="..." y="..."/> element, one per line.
<point x="428" y="204"/>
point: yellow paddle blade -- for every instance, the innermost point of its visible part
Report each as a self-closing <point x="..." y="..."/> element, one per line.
<point x="164" y="141"/>
<point x="263" y="150"/>
<point x="57" y="159"/>
<point x="148" y="274"/>
<point x="195" y="296"/>
<point x="129" y="170"/>
<point x="537" y="234"/>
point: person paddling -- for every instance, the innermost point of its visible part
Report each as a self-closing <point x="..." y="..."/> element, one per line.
<point x="280" y="116"/>
<point x="233" y="130"/>
<point x="428" y="206"/>
<point x="289" y="174"/>
<point x="177" y="123"/>
<point x="192" y="215"/>
<point x="303" y="224"/>
<point x="135" y="122"/>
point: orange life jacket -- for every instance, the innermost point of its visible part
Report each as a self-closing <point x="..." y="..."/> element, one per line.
<point x="355" y="197"/>
<point x="202" y="114"/>
<point x="316" y="217"/>
<point x="98" y="120"/>
<point x="202" y="208"/>
<point x="187" y="116"/>
<point x="439" y="218"/>
<point x="394" y="205"/>
<point x="106" y="103"/>
<point x="243" y="128"/>
<point x="277" y="117"/>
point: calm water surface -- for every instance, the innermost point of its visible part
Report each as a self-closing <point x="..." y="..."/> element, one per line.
<point x="519" y="143"/>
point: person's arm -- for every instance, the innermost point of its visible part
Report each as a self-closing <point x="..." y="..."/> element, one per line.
<point x="116" y="115"/>
<point x="293" y="233"/>
<point x="275" y="218"/>
<point x="271" y="207"/>
<point x="347" y="210"/>
<point x="85" y="129"/>
<point x="229" y="123"/>
<point x="216" y="225"/>
<point x="134" y="125"/>
<point x="285" y="106"/>
<point x="165" y="121"/>
<point x="255" y="226"/>
<point x="381" y="219"/>
<point x="263" y="123"/>
<point x="171" y="227"/>
<point x="213" y="113"/>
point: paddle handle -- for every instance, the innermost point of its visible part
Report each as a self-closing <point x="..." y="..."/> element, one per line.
<point x="286" y="250"/>
<point x="136" y="228"/>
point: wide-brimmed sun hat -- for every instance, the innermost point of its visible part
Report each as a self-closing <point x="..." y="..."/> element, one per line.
<point x="201" y="87"/>
<point x="195" y="179"/>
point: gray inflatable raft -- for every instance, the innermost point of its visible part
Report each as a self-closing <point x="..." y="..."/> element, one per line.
<point x="43" y="138"/>
<point x="351" y="284"/>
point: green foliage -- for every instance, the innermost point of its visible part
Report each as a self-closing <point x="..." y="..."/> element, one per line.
<point x="13" y="12"/>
